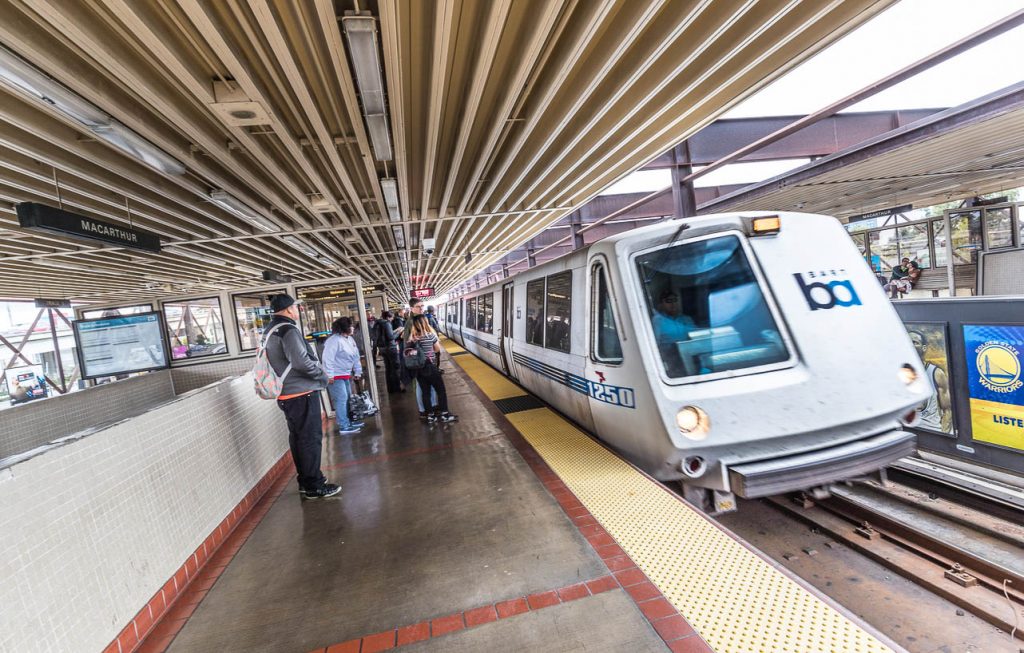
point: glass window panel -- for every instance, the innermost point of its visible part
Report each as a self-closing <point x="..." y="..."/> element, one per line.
<point x="606" y="345"/>
<point x="707" y="310"/>
<point x="252" y="315"/>
<point x="196" y="328"/>
<point x="558" y="311"/>
<point x="885" y="251"/>
<point x="939" y="242"/>
<point x="471" y="313"/>
<point x="535" y="312"/>
<point x="481" y="321"/>
<point x="999" y="224"/>
<point x="116" y="312"/>
<point x="488" y="314"/>
<point x="966" y="236"/>
<point x="913" y="242"/>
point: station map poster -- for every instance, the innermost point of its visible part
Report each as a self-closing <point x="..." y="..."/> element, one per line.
<point x="994" y="379"/>
<point x="121" y="345"/>
<point x="929" y="340"/>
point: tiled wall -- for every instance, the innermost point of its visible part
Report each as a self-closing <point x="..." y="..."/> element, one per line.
<point x="91" y="530"/>
<point x="26" y="426"/>
<point x="191" y="377"/>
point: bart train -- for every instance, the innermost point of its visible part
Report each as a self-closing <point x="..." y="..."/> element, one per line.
<point x="742" y="354"/>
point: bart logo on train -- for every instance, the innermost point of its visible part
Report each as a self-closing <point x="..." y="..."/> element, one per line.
<point x="998" y="366"/>
<point x="824" y="296"/>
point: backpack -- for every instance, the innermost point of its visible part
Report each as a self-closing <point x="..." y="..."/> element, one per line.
<point x="267" y="382"/>
<point x="413" y="357"/>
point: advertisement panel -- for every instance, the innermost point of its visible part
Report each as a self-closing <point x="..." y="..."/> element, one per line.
<point x="121" y="345"/>
<point x="994" y="379"/>
<point x="26" y="383"/>
<point x="929" y="340"/>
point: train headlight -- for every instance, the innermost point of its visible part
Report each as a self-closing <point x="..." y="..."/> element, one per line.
<point x="693" y="422"/>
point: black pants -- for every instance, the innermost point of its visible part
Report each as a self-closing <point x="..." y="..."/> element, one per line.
<point x="391" y="368"/>
<point x="428" y="377"/>
<point x="305" y="437"/>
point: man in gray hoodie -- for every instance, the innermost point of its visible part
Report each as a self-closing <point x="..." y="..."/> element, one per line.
<point x="300" y="396"/>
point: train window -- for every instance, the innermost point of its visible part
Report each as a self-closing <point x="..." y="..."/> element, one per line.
<point x="605" y="344"/>
<point x="471" y="313"/>
<point x="535" y="312"/>
<point x="707" y="309"/>
<point x="557" y="311"/>
<point x="486" y="319"/>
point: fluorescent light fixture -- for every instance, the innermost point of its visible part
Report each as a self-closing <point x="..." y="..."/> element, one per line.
<point x="389" y="188"/>
<point x="23" y="76"/>
<point x="399" y="236"/>
<point x="361" y="35"/>
<point x="298" y="244"/>
<point x="134" y="145"/>
<point x="232" y="205"/>
<point x="326" y="260"/>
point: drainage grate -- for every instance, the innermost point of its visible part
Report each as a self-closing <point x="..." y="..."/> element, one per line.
<point x="516" y="404"/>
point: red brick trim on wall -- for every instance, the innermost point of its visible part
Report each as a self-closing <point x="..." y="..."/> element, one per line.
<point x="162" y="617"/>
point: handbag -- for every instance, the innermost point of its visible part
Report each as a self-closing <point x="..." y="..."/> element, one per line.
<point x="361" y="405"/>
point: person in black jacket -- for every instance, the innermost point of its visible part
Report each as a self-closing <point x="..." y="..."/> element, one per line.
<point x="300" y="396"/>
<point x="388" y="345"/>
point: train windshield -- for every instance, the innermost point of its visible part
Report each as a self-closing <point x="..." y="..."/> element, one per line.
<point x="707" y="309"/>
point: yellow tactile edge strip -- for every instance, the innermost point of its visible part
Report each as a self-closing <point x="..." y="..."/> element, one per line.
<point x="735" y="600"/>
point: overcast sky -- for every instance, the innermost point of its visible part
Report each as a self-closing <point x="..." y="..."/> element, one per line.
<point x="906" y="32"/>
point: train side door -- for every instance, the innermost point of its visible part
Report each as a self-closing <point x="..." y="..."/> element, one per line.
<point x="505" y="333"/>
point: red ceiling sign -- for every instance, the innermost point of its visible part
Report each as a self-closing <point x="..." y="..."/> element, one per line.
<point x="423" y="293"/>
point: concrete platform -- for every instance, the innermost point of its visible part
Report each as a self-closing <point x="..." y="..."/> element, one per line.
<point x="443" y="534"/>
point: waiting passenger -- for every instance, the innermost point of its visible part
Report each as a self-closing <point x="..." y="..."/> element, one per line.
<point x="897" y="283"/>
<point x="422" y="337"/>
<point x="300" y="396"/>
<point x="416" y="308"/>
<point x="341" y="362"/>
<point x="387" y="342"/>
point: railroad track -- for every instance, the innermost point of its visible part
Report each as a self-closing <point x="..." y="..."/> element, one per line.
<point x="972" y="559"/>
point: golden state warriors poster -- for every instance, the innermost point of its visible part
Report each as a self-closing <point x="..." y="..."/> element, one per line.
<point x="994" y="379"/>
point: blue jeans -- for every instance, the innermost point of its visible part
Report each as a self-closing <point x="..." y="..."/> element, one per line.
<point x="419" y="399"/>
<point x="340" y="390"/>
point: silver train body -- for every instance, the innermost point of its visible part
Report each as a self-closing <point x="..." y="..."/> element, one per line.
<point x="785" y="369"/>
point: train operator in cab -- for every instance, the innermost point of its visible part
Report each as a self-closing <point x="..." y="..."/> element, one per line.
<point x="671" y="326"/>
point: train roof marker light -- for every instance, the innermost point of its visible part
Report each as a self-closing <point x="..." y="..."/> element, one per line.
<point x="361" y="35"/>
<point x="227" y="202"/>
<point x="766" y="226"/>
<point x="25" y="77"/>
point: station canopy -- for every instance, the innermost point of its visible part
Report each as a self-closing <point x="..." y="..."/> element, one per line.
<point x="326" y="138"/>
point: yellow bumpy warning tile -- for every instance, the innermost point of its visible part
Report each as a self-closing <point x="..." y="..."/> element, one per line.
<point x="737" y="602"/>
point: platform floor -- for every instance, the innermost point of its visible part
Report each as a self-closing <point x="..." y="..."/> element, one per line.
<point x="439" y="531"/>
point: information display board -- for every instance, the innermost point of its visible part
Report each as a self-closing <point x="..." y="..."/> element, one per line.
<point x="121" y="345"/>
<point x="994" y="378"/>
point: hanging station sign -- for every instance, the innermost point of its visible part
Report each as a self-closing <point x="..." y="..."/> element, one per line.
<point x="884" y="213"/>
<point x="423" y="293"/>
<point x="53" y="303"/>
<point x="40" y="217"/>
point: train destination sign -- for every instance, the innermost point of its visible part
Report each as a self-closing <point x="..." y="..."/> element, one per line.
<point x="423" y="293"/>
<point x="40" y="217"/>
